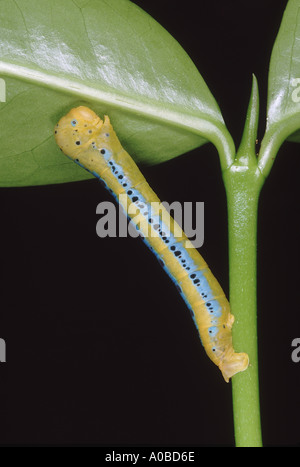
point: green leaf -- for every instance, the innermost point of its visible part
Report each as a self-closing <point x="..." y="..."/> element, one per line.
<point x="285" y="67"/>
<point x="283" y="109"/>
<point x="112" y="57"/>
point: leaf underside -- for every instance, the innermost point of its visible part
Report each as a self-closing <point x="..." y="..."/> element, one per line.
<point x="284" y="73"/>
<point x="108" y="55"/>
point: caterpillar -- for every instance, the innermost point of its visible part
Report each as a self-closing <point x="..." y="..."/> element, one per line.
<point x="93" y="144"/>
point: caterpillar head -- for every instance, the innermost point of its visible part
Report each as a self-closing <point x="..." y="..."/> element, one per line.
<point x="80" y="129"/>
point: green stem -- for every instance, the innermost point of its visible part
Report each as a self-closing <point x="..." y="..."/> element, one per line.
<point x="243" y="186"/>
<point x="243" y="182"/>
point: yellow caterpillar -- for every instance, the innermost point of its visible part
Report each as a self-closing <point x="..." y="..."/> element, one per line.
<point x="93" y="144"/>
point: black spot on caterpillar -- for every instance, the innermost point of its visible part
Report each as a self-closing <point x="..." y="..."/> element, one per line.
<point x="96" y="147"/>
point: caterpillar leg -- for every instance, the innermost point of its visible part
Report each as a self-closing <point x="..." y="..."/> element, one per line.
<point x="233" y="363"/>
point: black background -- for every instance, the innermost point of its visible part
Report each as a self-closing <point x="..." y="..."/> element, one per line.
<point x="100" y="347"/>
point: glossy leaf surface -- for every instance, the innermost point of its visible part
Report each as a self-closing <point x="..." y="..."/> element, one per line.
<point x="110" y="56"/>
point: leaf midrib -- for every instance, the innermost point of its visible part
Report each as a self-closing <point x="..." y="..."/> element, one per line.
<point x="155" y="112"/>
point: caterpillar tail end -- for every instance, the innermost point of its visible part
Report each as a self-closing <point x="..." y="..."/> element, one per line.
<point x="236" y="363"/>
